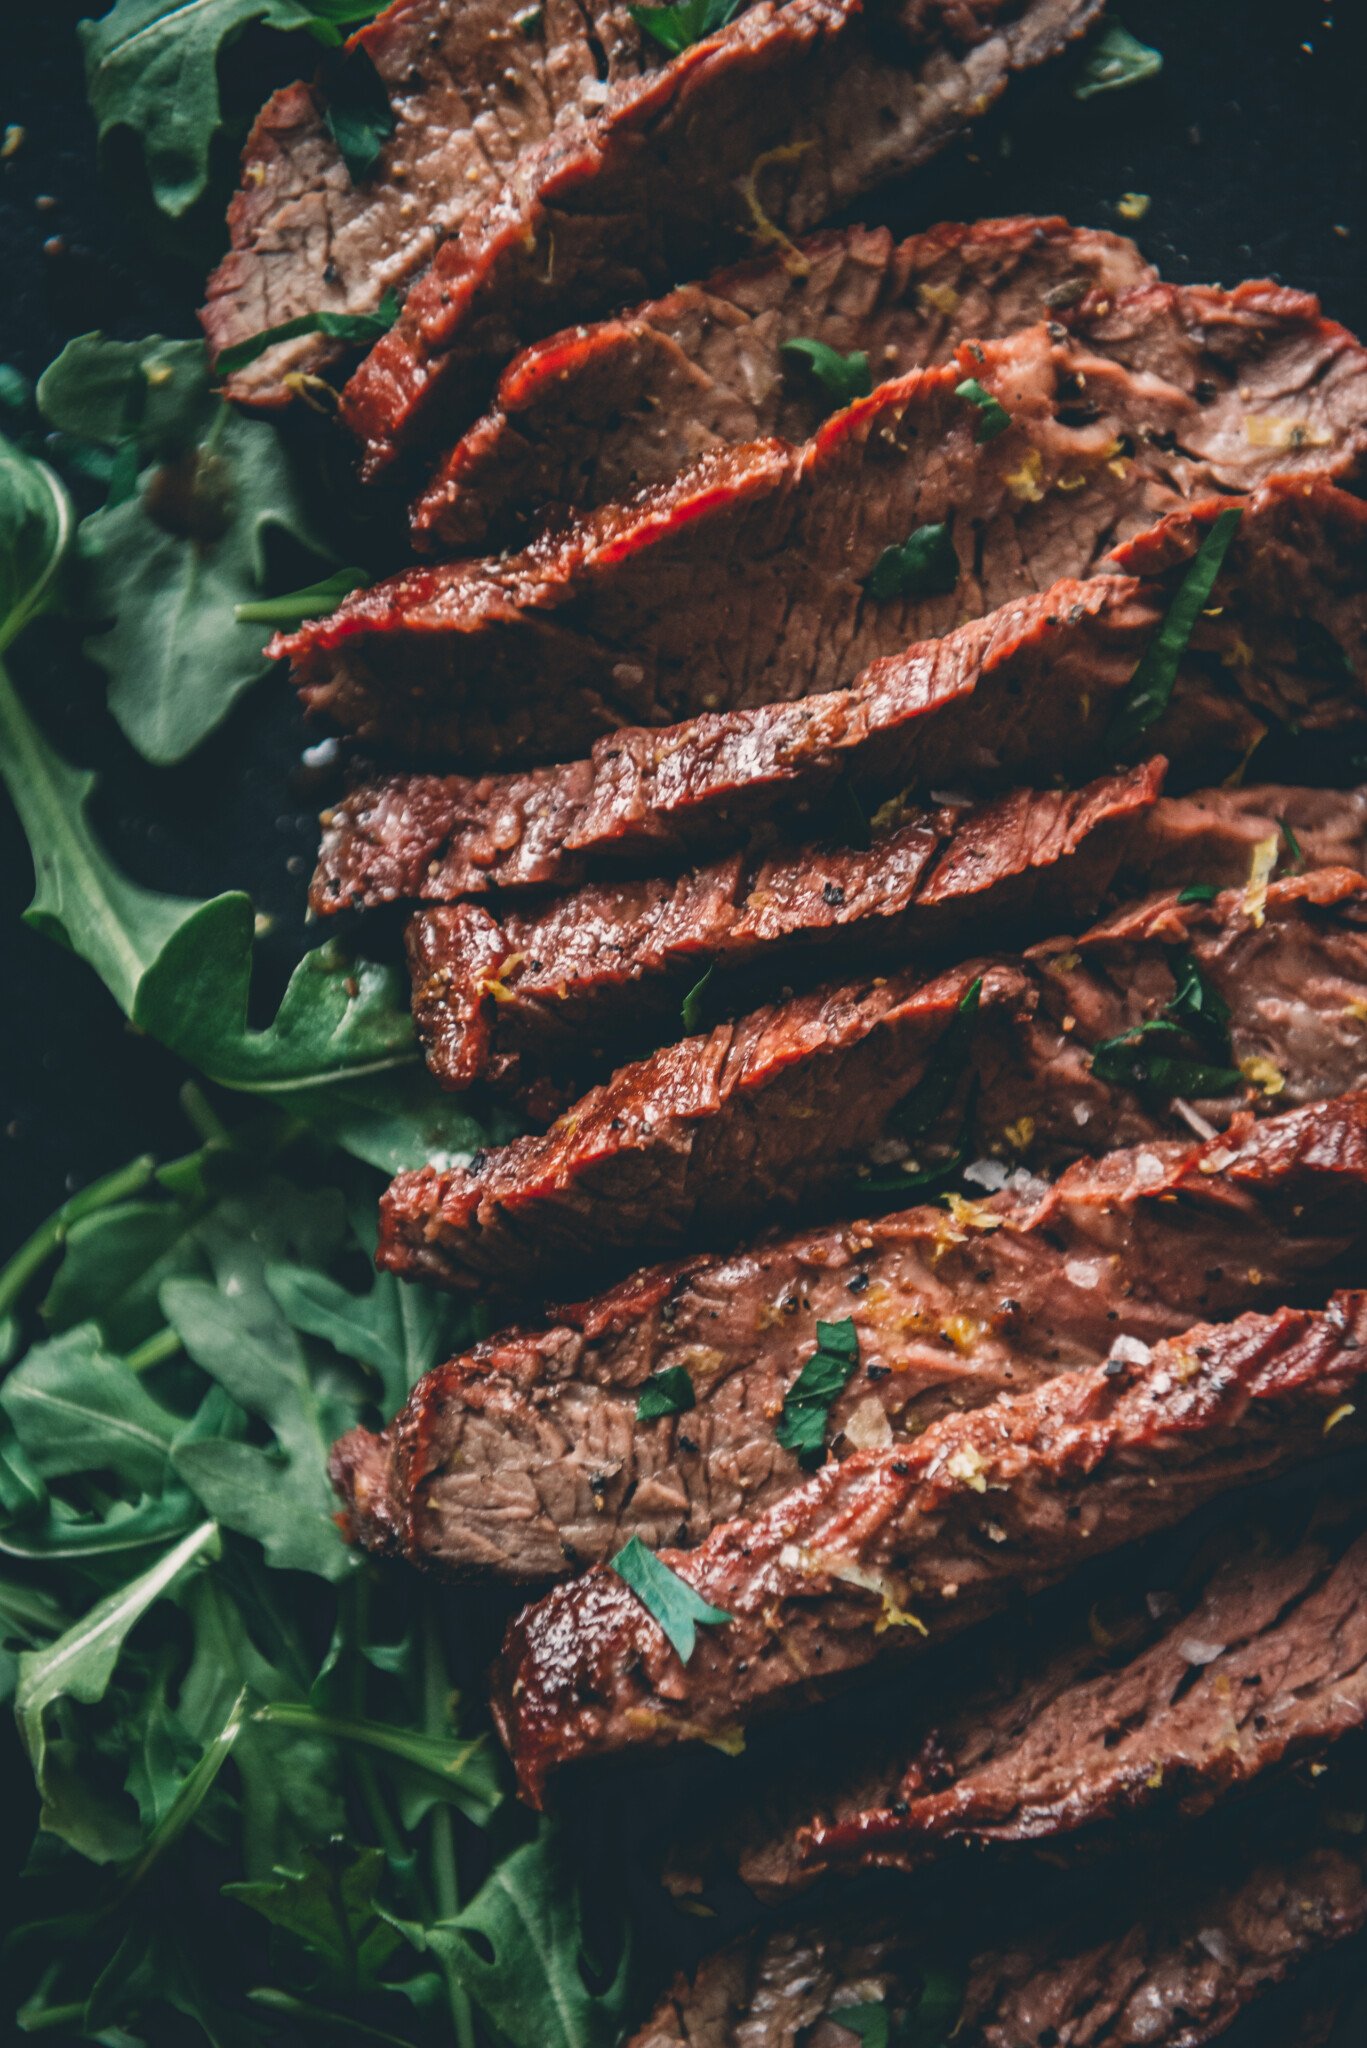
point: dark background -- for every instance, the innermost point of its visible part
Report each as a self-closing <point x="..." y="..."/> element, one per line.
<point x="1252" y="147"/>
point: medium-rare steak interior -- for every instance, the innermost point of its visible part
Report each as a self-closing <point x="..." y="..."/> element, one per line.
<point x="662" y="1408"/>
<point x="894" y="1549"/>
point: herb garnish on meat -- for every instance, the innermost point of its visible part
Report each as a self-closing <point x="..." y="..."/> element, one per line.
<point x="679" y="1610"/>
<point x="845" y="377"/>
<point x="808" y="1401"/>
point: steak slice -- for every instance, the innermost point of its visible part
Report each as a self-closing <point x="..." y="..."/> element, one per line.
<point x="763" y="129"/>
<point x="1175" y="1691"/>
<point x="471" y="88"/>
<point x="889" y="1548"/>
<point x="793" y="1103"/>
<point x="1021" y="695"/>
<point x="603" y="969"/>
<point x="751" y="576"/>
<point x="526" y="1458"/>
<point x="597" y="412"/>
<point x="1168" y="1953"/>
<point x="1209" y="837"/>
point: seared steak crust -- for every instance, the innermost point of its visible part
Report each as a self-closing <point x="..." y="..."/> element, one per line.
<point x="502" y="999"/>
<point x="597" y="412"/>
<point x="890" y="1548"/>
<point x="771" y="124"/>
<point x="787" y="1106"/>
<point x="525" y="1458"/>
<point x="1023" y="694"/>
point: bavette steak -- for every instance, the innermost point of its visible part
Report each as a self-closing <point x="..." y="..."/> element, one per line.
<point x="1023" y="694"/>
<point x="762" y="572"/>
<point x="526" y="1456"/>
<point x="606" y="967"/>
<point x="596" y="412"/>
<point x="1168" y="1951"/>
<point x="890" y="1549"/>
<point x="795" y="1103"/>
<point x="759" y="131"/>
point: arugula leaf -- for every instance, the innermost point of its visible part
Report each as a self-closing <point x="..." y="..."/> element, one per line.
<point x="920" y="1111"/>
<point x="667" y="1392"/>
<point x="867" y="2022"/>
<point x="993" y="418"/>
<point x="462" y="1772"/>
<point x="360" y="118"/>
<point x="930" y="2023"/>
<point x="279" y="1496"/>
<point x="1156" y="1056"/>
<point x="329" y="1905"/>
<point x="1151" y="686"/>
<point x="168" y="560"/>
<point x="297" y="605"/>
<point x="400" y="1332"/>
<point x="79" y="1666"/>
<point x="845" y="377"/>
<point x="75" y="1408"/>
<point x="672" y="1602"/>
<point x="362" y="328"/>
<point x="36" y="525"/>
<point x="925" y="565"/>
<point x="1115" y="60"/>
<point x="690" y="1010"/>
<point x="533" y="1973"/>
<point x="1197" y="1004"/>
<point x="152" y="67"/>
<point x="807" y="1404"/>
<point x="678" y="26"/>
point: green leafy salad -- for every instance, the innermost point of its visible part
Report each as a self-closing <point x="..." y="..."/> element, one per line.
<point x="270" y="1807"/>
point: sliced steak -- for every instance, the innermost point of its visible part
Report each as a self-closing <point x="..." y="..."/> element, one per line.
<point x="1210" y="836"/>
<point x="793" y="1103"/>
<point x="1172" y="1694"/>
<point x="1169" y="1953"/>
<point x="751" y="576"/>
<point x="890" y="1548"/>
<point x="603" y="970"/>
<point x="1021" y="695"/>
<point x="763" y="129"/>
<point x="526" y="1458"/>
<point x="597" y="412"/>
<point x="471" y="89"/>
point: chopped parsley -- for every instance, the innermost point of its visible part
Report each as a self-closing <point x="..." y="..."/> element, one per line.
<point x="1295" y="857"/>
<point x="993" y="418"/>
<point x="924" y="565"/>
<point x="807" y="1403"/>
<point x="691" y="1008"/>
<point x="667" y="1392"/>
<point x="1198" y="892"/>
<point x="845" y="378"/>
<point x="670" y="1600"/>
<point x="1152" y="683"/>
<point x="685" y="22"/>
<point x="364" y="328"/>
<point x="1116" y="60"/>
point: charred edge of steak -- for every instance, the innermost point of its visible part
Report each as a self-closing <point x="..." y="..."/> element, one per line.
<point x="889" y="1549"/>
<point x="595" y="413"/>
<point x="605" y="969"/>
<point x="800" y="1102"/>
<point x="525" y="1458"/>
<point x="1023" y="694"/>
<point x="657" y="184"/>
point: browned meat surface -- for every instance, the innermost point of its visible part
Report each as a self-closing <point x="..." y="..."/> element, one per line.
<point x="472" y="88"/>
<point x="1173" y="1695"/>
<point x="1210" y="835"/>
<point x="526" y="1458"/>
<point x="890" y="1549"/>
<point x="596" y="412"/>
<point x="1168" y="1954"/>
<point x="792" y="1103"/>
<point x="747" y="578"/>
<point x="771" y="124"/>
<point x="605" y="968"/>
<point x="1022" y="695"/>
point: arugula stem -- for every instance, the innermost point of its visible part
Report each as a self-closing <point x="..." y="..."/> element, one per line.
<point x="318" y="2015"/>
<point x="55" y="2016"/>
<point x="49" y="1237"/>
<point x="154" y="1351"/>
<point x="445" y="1877"/>
<point x="202" y="1117"/>
<point x="372" y="1798"/>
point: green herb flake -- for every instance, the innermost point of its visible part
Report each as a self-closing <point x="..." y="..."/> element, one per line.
<point x="808" y="1402"/>
<point x="359" y="116"/>
<point x="930" y="2023"/>
<point x="363" y="329"/>
<point x="667" y="1392"/>
<point x="670" y="1600"/>
<point x="1151" y="686"/>
<point x="993" y="418"/>
<point x="1295" y="856"/>
<point x="678" y="26"/>
<point x="844" y="377"/>
<point x="691" y="1008"/>
<point x="925" y="565"/>
<point x="1198" y="892"/>
<point x="1116" y="60"/>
